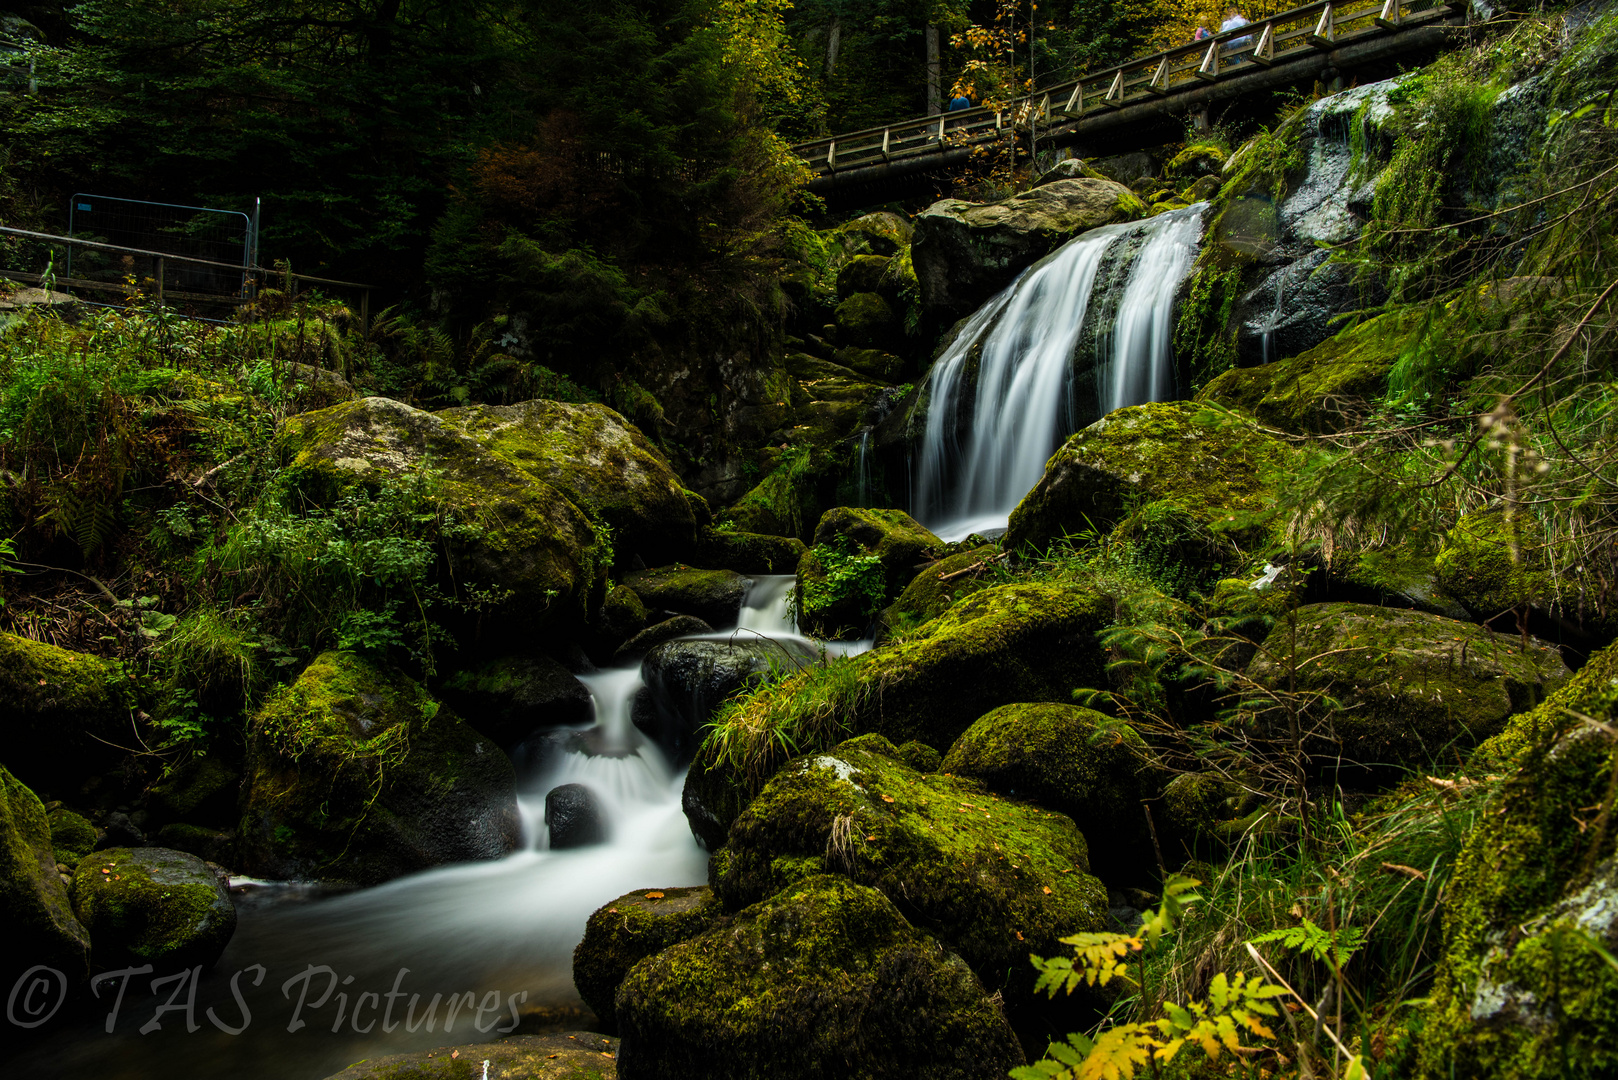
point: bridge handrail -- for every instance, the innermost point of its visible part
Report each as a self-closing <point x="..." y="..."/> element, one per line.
<point x="1295" y="32"/>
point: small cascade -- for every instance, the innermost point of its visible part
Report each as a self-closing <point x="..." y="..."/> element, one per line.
<point x="862" y="470"/>
<point x="1268" y="342"/>
<point x="985" y="445"/>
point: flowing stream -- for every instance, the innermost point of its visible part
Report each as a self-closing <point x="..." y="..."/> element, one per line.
<point x="480" y="935"/>
<point x="985" y="443"/>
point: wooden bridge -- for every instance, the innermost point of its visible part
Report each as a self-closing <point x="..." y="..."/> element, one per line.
<point x="1311" y="41"/>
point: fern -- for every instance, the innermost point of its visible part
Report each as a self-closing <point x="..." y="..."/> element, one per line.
<point x="1319" y="943"/>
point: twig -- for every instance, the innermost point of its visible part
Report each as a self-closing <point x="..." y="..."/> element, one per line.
<point x="97" y="582"/>
<point x="1276" y="975"/>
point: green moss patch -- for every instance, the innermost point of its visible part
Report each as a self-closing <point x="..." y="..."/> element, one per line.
<point x="40" y="925"/>
<point x="626" y="931"/>
<point x="152" y="906"/>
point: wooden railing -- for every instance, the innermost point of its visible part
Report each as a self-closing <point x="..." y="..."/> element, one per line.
<point x="1289" y="35"/>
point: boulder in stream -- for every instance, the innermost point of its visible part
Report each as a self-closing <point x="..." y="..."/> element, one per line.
<point x="574" y="816"/>
<point x="511" y="698"/>
<point x="861" y="560"/>
<point x="629" y="929"/>
<point x="687" y="680"/>
<point x="152" y="906"/>
<point x="714" y="596"/>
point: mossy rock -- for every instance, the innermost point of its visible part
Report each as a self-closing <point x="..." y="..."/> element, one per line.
<point x="884" y="367"/>
<point x="1074" y="761"/>
<point x="72" y="835"/>
<point x="209" y="845"/>
<point x="152" y="906"/>
<point x="920" y="756"/>
<point x="1199" y="814"/>
<point x="200" y="789"/>
<point x="929" y="595"/>
<point x="307" y="387"/>
<point x="865" y="320"/>
<point x="1397" y="576"/>
<point x="1198" y="159"/>
<point x="1493" y="565"/>
<point x="839" y="588"/>
<point x="824" y="979"/>
<point x="1409" y="685"/>
<point x="621" y="616"/>
<point x="1520" y="992"/>
<point x="1322" y="390"/>
<point x="1216" y="466"/>
<point x="41" y="927"/>
<point x="527" y="537"/>
<point x="59" y="711"/>
<point x="881" y="233"/>
<point x="650" y="638"/>
<point x="569" y="1055"/>
<point x="861" y="274"/>
<point x="714" y="596"/>
<point x="600" y="462"/>
<point x="991" y="878"/>
<point x="626" y="931"/>
<point x="356" y="774"/>
<point x="514" y="696"/>
<point x="749" y="553"/>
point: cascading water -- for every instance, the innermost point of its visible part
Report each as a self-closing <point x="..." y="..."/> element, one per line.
<point x="1022" y="347"/>
<point x="505" y="928"/>
<point x="862" y="470"/>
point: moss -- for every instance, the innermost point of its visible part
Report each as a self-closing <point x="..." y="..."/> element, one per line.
<point x="1400" y="575"/>
<point x="790" y="498"/>
<point x="920" y="756"/>
<point x="872" y="363"/>
<point x="201" y="788"/>
<point x="1074" y="761"/>
<point x="1408" y="685"/>
<point x="513" y="696"/>
<point x="749" y="553"/>
<point x="579" y="1055"/>
<point x="62" y="710"/>
<point x="865" y="320"/>
<point x="210" y="845"/>
<point x="714" y="596"/>
<point x="860" y="561"/>
<point x="861" y="274"/>
<point x="355" y="773"/>
<point x="626" y="931"/>
<point x="1197" y="159"/>
<point x="825" y="979"/>
<point x="152" y="906"/>
<point x="1216" y="466"/>
<point x="620" y="617"/>
<point x="1196" y="810"/>
<point x="72" y="835"/>
<point x="929" y="595"/>
<point x="40" y="924"/>
<point x="1492" y="565"/>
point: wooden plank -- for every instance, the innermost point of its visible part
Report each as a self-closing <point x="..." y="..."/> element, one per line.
<point x="1209" y="68"/>
<point x="1264" y="51"/>
<point x="1325" y="32"/>
<point x="1115" y="93"/>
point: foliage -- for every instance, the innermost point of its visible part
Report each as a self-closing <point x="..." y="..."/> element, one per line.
<point x="849" y="574"/>
<point x="807" y="709"/>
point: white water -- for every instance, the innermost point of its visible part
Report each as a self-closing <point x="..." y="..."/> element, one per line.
<point x="1020" y="410"/>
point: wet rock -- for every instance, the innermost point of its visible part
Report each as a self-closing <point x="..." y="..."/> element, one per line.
<point x="825" y="979"/>
<point x="575" y="817"/>
<point x="152" y="906"/>
<point x="714" y="596"/>
<point x="629" y="929"/>
<point x="656" y="634"/>
<point x="355" y="773"/>
<point x="621" y="617"/>
<point x="1073" y="169"/>
<point x="120" y="832"/>
<point x="41" y="927"/>
<point x="577" y="1055"/>
<point x="687" y="680"/>
<point x="510" y="698"/>
<point x="60" y="710"/>
<point x="750" y="553"/>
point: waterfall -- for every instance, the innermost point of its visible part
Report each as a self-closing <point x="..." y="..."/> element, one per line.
<point x="862" y="471"/>
<point x="1022" y="347"/>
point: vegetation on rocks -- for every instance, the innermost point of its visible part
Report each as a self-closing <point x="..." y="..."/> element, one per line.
<point x="152" y="906"/>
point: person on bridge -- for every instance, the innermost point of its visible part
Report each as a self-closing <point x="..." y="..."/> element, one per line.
<point x="1202" y="34"/>
<point x="960" y="101"/>
<point x="1235" y="20"/>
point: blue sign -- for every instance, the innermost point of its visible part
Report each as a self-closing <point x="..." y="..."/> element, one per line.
<point x="84" y="206"/>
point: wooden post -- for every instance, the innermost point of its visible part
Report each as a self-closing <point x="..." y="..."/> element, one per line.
<point x="1391" y="15"/>
<point x="1115" y="93"/>
<point x="1264" y="51"/>
<point x="1325" y="34"/>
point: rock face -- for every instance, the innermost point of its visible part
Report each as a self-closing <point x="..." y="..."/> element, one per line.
<point x="574" y="816"/>
<point x="861" y="560"/>
<point x="714" y="596"/>
<point x="41" y="927"/>
<point x="825" y="979"/>
<point x="511" y="698"/>
<point x="356" y="774"/>
<point x="965" y="252"/>
<point x="623" y="933"/>
<point x="1049" y="754"/>
<point x="621" y="617"/>
<point x="1409" y="684"/>
<point x="962" y="864"/>
<point x="56" y="707"/>
<point x="569" y="1055"/>
<point x="152" y="906"/>
<point x="687" y="680"/>
<point x="1213" y="465"/>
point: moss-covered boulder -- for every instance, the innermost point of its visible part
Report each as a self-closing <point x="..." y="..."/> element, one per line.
<point x="1396" y="576"/>
<point x="356" y="774"/>
<point x="200" y="789"/>
<point x="626" y="931"/>
<point x="714" y="596"/>
<point x="1197" y="159"/>
<point x="936" y="587"/>
<point x="1074" y="761"/>
<point x="1494" y="565"/>
<point x="749" y="553"/>
<point x="72" y="835"/>
<point x="865" y="320"/>
<point x="567" y="1055"/>
<point x="825" y="979"/>
<point x="620" y="617"/>
<point x="650" y="638"/>
<point x="1520" y="990"/>
<point x="991" y="878"/>
<point x="209" y="845"/>
<point x="510" y="698"/>
<point x="59" y="711"/>
<point x="861" y="274"/>
<point x="1215" y="465"/>
<point x="861" y="559"/>
<point x="1408" y="685"/>
<point x="687" y="680"/>
<point x="881" y="233"/>
<point x="40" y="925"/>
<point x="306" y="387"/>
<point x="1199" y="814"/>
<point x="600" y="462"/>
<point x="152" y="906"/>
<point x="964" y="252"/>
<point x="526" y="536"/>
<point x="875" y="364"/>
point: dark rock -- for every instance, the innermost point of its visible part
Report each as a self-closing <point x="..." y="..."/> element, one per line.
<point x="152" y="906"/>
<point x="510" y="698"/>
<point x="750" y="553"/>
<point x="209" y="845"/>
<point x="1126" y="168"/>
<point x="629" y="929"/>
<point x="621" y="617"/>
<point x="120" y="832"/>
<point x="650" y="638"/>
<point x="865" y="320"/>
<point x="861" y="274"/>
<point x="714" y="596"/>
<point x="687" y="680"/>
<point x="200" y="789"/>
<point x="40" y="925"/>
<point x="574" y="816"/>
<point x="64" y="714"/>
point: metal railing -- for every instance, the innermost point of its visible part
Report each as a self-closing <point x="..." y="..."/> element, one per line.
<point x="1299" y="32"/>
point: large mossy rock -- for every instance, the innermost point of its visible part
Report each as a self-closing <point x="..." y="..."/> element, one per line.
<point x="965" y="252"/>
<point x="567" y="1055"/>
<point x="1520" y="991"/>
<point x="861" y="560"/>
<point x="200" y="788"/>
<point x="528" y="539"/>
<point x="865" y="320"/>
<point x="1216" y="466"/>
<point x="749" y="553"/>
<point x="626" y="931"/>
<point x="356" y="774"/>
<point x="511" y="698"/>
<point x="714" y="596"/>
<point x="936" y="587"/>
<point x="59" y="711"/>
<point x="1074" y="761"/>
<point x="599" y="461"/>
<point x="152" y="906"/>
<point x="72" y="835"/>
<point x="1494" y="566"/>
<point x="1408" y="685"/>
<point x="991" y="878"/>
<point x="826" y="979"/>
<point x="41" y="927"/>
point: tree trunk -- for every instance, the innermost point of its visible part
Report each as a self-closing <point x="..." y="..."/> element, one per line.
<point x="935" y="104"/>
